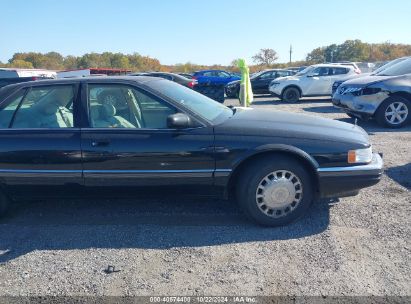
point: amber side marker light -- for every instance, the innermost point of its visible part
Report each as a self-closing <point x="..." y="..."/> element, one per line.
<point x="352" y="157"/>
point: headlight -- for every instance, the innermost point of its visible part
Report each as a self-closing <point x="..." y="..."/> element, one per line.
<point x="360" y="156"/>
<point x="351" y="90"/>
<point x="274" y="84"/>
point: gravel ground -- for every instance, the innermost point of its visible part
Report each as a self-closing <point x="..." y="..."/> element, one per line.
<point x="352" y="246"/>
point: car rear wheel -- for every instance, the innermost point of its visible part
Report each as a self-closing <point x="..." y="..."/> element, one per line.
<point x="4" y="203"/>
<point x="291" y="94"/>
<point x="394" y="112"/>
<point x="275" y="191"/>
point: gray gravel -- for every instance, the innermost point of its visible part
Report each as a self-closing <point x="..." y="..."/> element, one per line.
<point x="352" y="246"/>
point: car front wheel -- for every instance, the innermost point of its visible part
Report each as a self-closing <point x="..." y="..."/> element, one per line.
<point x="394" y="112"/>
<point x="275" y="191"/>
<point x="291" y="94"/>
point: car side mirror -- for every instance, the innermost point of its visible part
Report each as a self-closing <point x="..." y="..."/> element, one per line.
<point x="178" y="121"/>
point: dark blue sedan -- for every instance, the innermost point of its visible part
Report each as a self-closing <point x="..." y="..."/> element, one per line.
<point x="215" y="77"/>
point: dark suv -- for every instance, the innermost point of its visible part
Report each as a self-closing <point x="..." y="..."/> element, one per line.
<point x="259" y="82"/>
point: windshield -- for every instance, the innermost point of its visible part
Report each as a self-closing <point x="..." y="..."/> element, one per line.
<point x="198" y="103"/>
<point x="256" y="74"/>
<point x="387" y="65"/>
<point x="305" y="71"/>
<point x="401" y="68"/>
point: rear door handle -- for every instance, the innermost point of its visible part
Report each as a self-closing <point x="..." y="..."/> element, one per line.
<point x="100" y="143"/>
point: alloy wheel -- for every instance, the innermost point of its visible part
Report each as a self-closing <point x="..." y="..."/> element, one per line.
<point x="396" y="113"/>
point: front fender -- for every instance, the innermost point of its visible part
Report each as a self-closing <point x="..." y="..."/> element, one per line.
<point x="277" y="148"/>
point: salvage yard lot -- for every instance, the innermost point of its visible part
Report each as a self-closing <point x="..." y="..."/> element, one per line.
<point x="351" y="246"/>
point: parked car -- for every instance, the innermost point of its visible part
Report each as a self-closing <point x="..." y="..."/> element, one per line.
<point x="7" y="81"/>
<point x="25" y="73"/>
<point x="337" y="83"/>
<point x="297" y="69"/>
<point x="170" y="76"/>
<point x="215" y="77"/>
<point x="186" y="75"/>
<point x="259" y="82"/>
<point x="316" y="80"/>
<point x="357" y="70"/>
<point x="58" y="137"/>
<point x="385" y="96"/>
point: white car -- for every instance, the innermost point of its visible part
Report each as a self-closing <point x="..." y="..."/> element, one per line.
<point x="316" y="80"/>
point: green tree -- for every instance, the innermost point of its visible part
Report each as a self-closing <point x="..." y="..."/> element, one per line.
<point x="21" y="64"/>
<point x="70" y="62"/>
<point x="316" y="56"/>
<point x="353" y="50"/>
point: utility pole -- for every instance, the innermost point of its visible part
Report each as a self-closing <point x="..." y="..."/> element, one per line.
<point x="291" y="51"/>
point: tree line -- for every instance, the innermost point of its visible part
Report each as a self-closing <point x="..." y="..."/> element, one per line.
<point x="356" y="50"/>
<point x="350" y="50"/>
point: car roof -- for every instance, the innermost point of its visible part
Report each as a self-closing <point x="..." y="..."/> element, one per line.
<point x="138" y="79"/>
<point x="201" y="71"/>
<point x="330" y="65"/>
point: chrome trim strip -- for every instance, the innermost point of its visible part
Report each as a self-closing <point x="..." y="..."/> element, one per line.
<point x="150" y="171"/>
<point x="123" y="173"/>
<point x="112" y="171"/>
<point x="374" y="167"/>
<point x="38" y="171"/>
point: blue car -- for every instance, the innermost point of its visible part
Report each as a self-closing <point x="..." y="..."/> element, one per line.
<point x="215" y="77"/>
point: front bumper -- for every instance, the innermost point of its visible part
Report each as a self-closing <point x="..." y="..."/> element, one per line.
<point x="347" y="181"/>
<point x="275" y="90"/>
<point x="364" y="105"/>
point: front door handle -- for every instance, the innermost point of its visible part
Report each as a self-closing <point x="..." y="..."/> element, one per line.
<point x="100" y="143"/>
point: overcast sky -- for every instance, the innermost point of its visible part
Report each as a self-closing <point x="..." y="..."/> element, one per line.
<point x="199" y="31"/>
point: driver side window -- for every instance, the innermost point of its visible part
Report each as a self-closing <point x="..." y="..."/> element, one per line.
<point x="121" y="106"/>
<point x="223" y="74"/>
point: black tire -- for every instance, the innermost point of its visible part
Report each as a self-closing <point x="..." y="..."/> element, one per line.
<point x="386" y="105"/>
<point x="4" y="203"/>
<point x="291" y="94"/>
<point x="248" y="186"/>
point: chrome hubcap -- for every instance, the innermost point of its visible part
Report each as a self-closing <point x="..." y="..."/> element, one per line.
<point x="396" y="113"/>
<point x="279" y="193"/>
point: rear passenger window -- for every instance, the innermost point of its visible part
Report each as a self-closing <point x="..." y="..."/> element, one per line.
<point x="340" y="71"/>
<point x="6" y="114"/>
<point x="46" y="107"/>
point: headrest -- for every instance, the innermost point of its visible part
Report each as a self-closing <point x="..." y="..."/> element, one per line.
<point x="109" y="110"/>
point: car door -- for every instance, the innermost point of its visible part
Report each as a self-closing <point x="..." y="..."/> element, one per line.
<point x="126" y="143"/>
<point x="40" y="140"/>
<point x="260" y="83"/>
<point x="338" y="73"/>
<point x="318" y="82"/>
<point x="223" y="77"/>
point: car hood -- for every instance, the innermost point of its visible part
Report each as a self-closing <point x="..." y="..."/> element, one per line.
<point x="368" y="80"/>
<point x="287" y="78"/>
<point x="267" y="122"/>
<point x="353" y="76"/>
